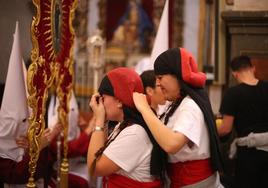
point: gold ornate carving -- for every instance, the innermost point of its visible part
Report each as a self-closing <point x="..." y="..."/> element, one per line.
<point x="49" y="65"/>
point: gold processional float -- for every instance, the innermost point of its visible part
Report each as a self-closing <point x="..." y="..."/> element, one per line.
<point x="52" y="65"/>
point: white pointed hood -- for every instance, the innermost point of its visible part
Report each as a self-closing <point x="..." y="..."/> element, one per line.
<point x="74" y="130"/>
<point x="161" y="39"/>
<point x="14" y="112"/>
<point x="160" y="43"/>
<point x="25" y="77"/>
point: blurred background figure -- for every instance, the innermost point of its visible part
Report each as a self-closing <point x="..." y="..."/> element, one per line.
<point x="78" y="139"/>
<point x="244" y="108"/>
<point x="154" y="92"/>
<point x="133" y="28"/>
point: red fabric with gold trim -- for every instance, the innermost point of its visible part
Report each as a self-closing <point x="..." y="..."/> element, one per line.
<point x="189" y="70"/>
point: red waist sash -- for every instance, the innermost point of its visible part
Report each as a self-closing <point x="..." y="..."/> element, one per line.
<point x="119" y="181"/>
<point x="189" y="172"/>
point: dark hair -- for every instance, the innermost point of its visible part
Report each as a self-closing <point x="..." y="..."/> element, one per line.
<point x="106" y="87"/>
<point x="121" y="83"/>
<point x="148" y="79"/>
<point x="2" y="88"/>
<point x="179" y="62"/>
<point x="158" y="157"/>
<point x="240" y="62"/>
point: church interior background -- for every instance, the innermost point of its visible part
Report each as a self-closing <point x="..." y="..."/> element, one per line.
<point x="123" y="33"/>
<point x="212" y="30"/>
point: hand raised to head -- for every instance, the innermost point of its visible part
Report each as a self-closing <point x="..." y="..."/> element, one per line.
<point x="96" y="104"/>
<point x="140" y="101"/>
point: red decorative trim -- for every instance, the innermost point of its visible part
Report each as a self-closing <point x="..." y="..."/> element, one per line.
<point x="189" y="70"/>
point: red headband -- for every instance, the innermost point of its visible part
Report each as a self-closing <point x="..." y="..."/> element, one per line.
<point x="124" y="82"/>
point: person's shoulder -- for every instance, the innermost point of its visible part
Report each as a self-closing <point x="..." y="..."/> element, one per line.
<point x="138" y="131"/>
<point x="236" y="87"/>
<point x="233" y="90"/>
<point x="134" y="129"/>
<point x="189" y="103"/>
<point x="263" y="86"/>
<point x="263" y="83"/>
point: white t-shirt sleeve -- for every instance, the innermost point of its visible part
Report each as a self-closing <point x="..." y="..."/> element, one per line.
<point x="129" y="147"/>
<point x="188" y="120"/>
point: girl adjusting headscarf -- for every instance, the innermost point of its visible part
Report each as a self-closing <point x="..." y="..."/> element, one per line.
<point x="193" y="145"/>
<point x="130" y="157"/>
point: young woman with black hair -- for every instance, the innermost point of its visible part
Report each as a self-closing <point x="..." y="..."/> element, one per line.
<point x="187" y="131"/>
<point x="129" y="156"/>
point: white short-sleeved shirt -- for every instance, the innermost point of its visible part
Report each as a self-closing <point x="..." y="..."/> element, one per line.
<point x="131" y="151"/>
<point x="188" y="119"/>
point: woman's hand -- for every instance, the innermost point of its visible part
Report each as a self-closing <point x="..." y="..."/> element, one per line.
<point x="140" y="101"/>
<point x="55" y="131"/>
<point x="91" y="125"/>
<point x="96" y="104"/>
<point x="49" y="134"/>
<point x="22" y="141"/>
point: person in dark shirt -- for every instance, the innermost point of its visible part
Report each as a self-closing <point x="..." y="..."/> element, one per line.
<point x="245" y="108"/>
